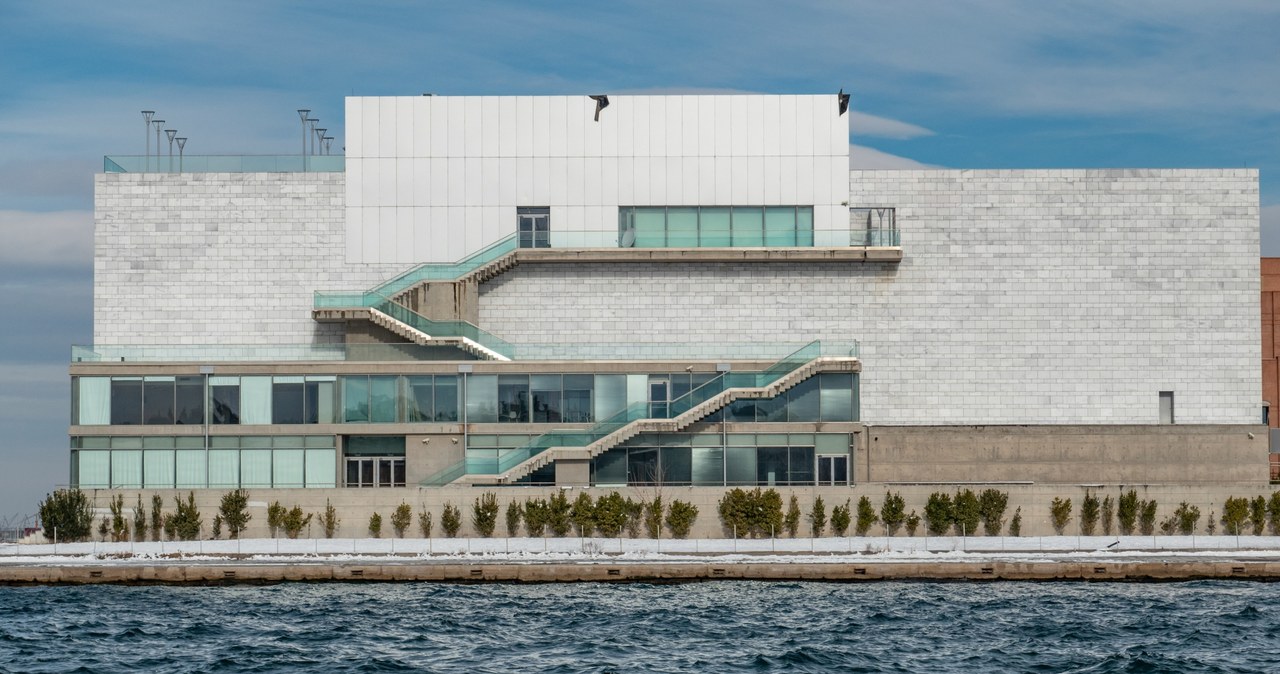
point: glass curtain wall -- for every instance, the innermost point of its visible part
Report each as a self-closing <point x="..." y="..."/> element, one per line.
<point x="715" y="226"/>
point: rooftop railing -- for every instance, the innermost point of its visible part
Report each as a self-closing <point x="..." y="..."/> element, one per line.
<point x="268" y="163"/>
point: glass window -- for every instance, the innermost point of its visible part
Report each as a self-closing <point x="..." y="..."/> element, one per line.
<point x="446" y="398"/>
<point x="224" y="400"/>
<point x="224" y="468"/>
<point x="579" y="395"/>
<point x="771" y="465"/>
<point x="126" y="401"/>
<point x="382" y="400"/>
<point x="714" y="228"/>
<point x="772" y="409"/>
<point x="651" y="228"/>
<point x="780" y="226"/>
<point x="355" y="399"/>
<point x="95" y="400"/>
<point x="126" y="469"/>
<point x="255" y="400"/>
<point x="375" y="445"/>
<point x="611" y="468"/>
<point x="287" y="466"/>
<point x="804" y="226"/>
<point x="836" y="396"/>
<point x="740" y="465"/>
<point x="546" y="397"/>
<point x="707" y="465"/>
<point x="742" y="410"/>
<point x="801" y="465"/>
<point x="642" y="465"/>
<point x="682" y="227"/>
<point x="677" y="466"/>
<point x="482" y="399"/>
<point x="255" y="468"/>
<point x="747" y="226"/>
<point x="157" y="400"/>
<point x="94" y="470"/>
<point x="157" y="469"/>
<point x="318" y="401"/>
<point x="803" y="401"/>
<point x="286" y="402"/>
<point x="189" y="401"/>
<point x="419" y="394"/>
<point x="189" y="468"/>
<point x="513" y="398"/>
<point x="321" y="466"/>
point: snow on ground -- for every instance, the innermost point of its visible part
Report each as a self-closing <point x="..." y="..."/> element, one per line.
<point x="600" y="550"/>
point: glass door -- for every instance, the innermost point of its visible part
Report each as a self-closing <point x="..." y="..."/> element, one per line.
<point x="533" y="226"/>
<point x="833" y="470"/>
<point x="659" y="397"/>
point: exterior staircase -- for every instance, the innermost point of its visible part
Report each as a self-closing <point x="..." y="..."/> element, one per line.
<point x="421" y="338"/>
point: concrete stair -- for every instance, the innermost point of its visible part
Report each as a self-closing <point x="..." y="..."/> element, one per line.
<point x="417" y="336"/>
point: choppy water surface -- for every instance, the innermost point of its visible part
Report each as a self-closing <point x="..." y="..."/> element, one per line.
<point x="698" y="627"/>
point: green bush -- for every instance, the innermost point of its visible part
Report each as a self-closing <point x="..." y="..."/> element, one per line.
<point x="938" y="513"/>
<point x="913" y="523"/>
<point x="514" y="515"/>
<point x="275" y="517"/>
<point x="1258" y="514"/>
<point x="866" y="517"/>
<point x="185" y="521"/>
<point x="234" y="511"/>
<point x="653" y="516"/>
<point x="966" y="512"/>
<point x="450" y="520"/>
<point x="1090" y="508"/>
<point x="1187" y="516"/>
<point x="1169" y="526"/>
<point x="751" y="513"/>
<point x="1108" y="514"/>
<point x="1273" y="513"/>
<point x="67" y="514"/>
<point x="558" y="514"/>
<point x="893" y="513"/>
<point x="818" y="517"/>
<point x="680" y="518"/>
<point x="535" y="516"/>
<point x="157" y="516"/>
<point x="841" y="518"/>
<point x="611" y="515"/>
<point x="1127" y="515"/>
<point x="425" y="522"/>
<point x="401" y="518"/>
<point x="1147" y="517"/>
<point x="119" y="526"/>
<point x="991" y="506"/>
<point x="216" y="533"/>
<point x="1211" y="524"/>
<point x="1234" y="513"/>
<point x="295" y="521"/>
<point x="484" y="514"/>
<point x="139" y="521"/>
<point x="1060" y="514"/>
<point x="329" y="520"/>
<point x="375" y="526"/>
<point x="791" y="523"/>
<point x="635" y="514"/>
<point x="1015" y="524"/>
<point x="583" y="514"/>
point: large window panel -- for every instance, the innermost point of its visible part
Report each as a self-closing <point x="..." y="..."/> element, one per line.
<point x="418" y="399"/>
<point x="802" y="463"/>
<point x="780" y="226"/>
<point x="651" y="226"/>
<point x="224" y="400"/>
<point x="803" y="401"/>
<point x="611" y="468"/>
<point x="95" y="400"/>
<point x="740" y="465"/>
<point x="126" y="401"/>
<point x="189" y="401"/>
<point x="513" y="398"/>
<point x="158" y="469"/>
<point x="321" y="467"/>
<point x="836" y="396"/>
<point x="804" y="226"/>
<point x="255" y="468"/>
<point x="682" y="227"/>
<point x="287" y="468"/>
<point x="677" y="465"/>
<point x="382" y="400"/>
<point x="714" y="228"/>
<point x="355" y="399"/>
<point x="286" y="400"/>
<point x="610" y="395"/>
<point x="94" y="471"/>
<point x="446" y="398"/>
<point x="126" y="469"/>
<point x="482" y="399"/>
<point x="642" y="465"/>
<point x="255" y="400"/>
<point x="189" y="468"/>
<point x="771" y="465"/>
<point x="546" y="394"/>
<point x="157" y="400"/>
<point x="318" y="400"/>
<point x="224" y="468"/>
<point x="707" y="464"/>
<point x="747" y="227"/>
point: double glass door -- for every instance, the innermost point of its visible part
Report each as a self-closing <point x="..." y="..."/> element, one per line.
<point x="533" y="226"/>
<point x="833" y="470"/>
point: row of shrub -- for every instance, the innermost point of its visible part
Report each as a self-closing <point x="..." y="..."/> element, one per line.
<point x="759" y="513"/>
<point x="1129" y="514"/>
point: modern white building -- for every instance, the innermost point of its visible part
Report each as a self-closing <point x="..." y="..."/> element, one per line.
<point x="688" y="290"/>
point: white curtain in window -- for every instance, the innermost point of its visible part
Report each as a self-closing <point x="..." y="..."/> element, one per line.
<point x="95" y="401"/>
<point x="255" y="400"/>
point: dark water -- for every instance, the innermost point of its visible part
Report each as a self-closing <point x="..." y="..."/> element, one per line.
<point x="701" y="627"/>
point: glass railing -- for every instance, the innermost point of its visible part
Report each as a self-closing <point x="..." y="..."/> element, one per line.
<point x="632" y="413"/>
<point x="444" y="328"/>
<point x="677" y="352"/>
<point x="446" y="271"/>
<point x="267" y="163"/>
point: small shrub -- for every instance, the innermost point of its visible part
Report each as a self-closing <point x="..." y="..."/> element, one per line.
<point x="1147" y="517"/>
<point x="558" y="514"/>
<point x="841" y="518"/>
<point x="866" y="517"/>
<point x="1090" y="508"/>
<point x="912" y="522"/>
<point x="513" y="517"/>
<point x="450" y="520"/>
<point x="1169" y="525"/>
<point x="1015" y="524"/>
<point x="965" y="512"/>
<point x="1273" y="513"/>
<point x="818" y="517"/>
<point x="275" y="517"/>
<point x="157" y="516"/>
<point x="1060" y="514"/>
<point x="295" y="521"/>
<point x="484" y="514"/>
<point x="1108" y="514"/>
<point x="216" y="530"/>
<point x="170" y="528"/>
<point x="751" y="513"/>
<point x="680" y="518"/>
<point x="1258" y="514"/>
<point x="1211" y="525"/>
<point x="583" y="514"/>
<point x="139" y="521"/>
<point x="653" y="517"/>
<point x="401" y="518"/>
<point x="375" y="526"/>
<point x="535" y="516"/>
<point x="938" y="513"/>
<point x="1234" y="513"/>
<point x="186" y="519"/>
<point x="991" y="506"/>
<point x="791" y="522"/>
<point x="893" y="512"/>
<point x="425" y="522"/>
<point x="635" y="514"/>
<point x="67" y="514"/>
<point x="1127" y="514"/>
<point x="611" y="514"/>
<point x="329" y="520"/>
<point x="1188" y="517"/>
<point x="119" y="526"/>
<point x="234" y="511"/>
<point x="103" y="528"/>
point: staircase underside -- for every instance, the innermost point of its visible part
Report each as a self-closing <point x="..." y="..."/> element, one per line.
<point x="408" y="332"/>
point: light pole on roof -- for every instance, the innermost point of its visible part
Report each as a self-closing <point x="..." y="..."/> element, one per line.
<point x="182" y="142"/>
<point x="302" y="116"/>
<point x="171" y="133"/>
<point x="159" y="124"/>
<point x="146" y="133"/>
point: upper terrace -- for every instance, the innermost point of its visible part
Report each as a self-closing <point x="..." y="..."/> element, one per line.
<point x="211" y="163"/>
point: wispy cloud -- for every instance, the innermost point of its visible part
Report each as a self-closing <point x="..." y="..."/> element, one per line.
<point x="54" y="239"/>
<point x="862" y="157"/>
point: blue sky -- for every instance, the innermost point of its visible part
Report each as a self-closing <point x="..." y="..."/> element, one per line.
<point x="980" y="84"/>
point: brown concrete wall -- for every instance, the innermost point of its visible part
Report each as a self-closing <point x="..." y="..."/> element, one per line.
<point x="1270" y="307"/>
<point x="426" y="455"/>
<point x="1183" y="454"/>
<point x="445" y="300"/>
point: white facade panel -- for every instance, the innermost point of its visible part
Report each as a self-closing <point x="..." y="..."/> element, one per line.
<point x="354" y="109"/>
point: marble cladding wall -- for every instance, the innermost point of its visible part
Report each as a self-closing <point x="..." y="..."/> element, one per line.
<point x="1024" y="297"/>
<point x="220" y="258"/>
